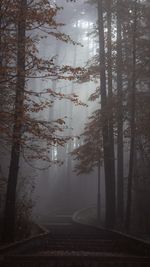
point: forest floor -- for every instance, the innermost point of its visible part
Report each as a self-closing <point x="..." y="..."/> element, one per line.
<point x="27" y="230"/>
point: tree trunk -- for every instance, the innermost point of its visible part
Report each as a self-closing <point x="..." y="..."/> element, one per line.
<point x="132" y="125"/>
<point x="9" y="214"/>
<point x="120" y="204"/>
<point x="110" y="197"/>
<point x="110" y="95"/>
<point x="98" y="193"/>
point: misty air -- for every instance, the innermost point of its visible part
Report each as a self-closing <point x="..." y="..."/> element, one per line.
<point x="74" y="133"/>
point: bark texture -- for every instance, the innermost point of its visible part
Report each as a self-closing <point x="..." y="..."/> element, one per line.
<point x="9" y="215"/>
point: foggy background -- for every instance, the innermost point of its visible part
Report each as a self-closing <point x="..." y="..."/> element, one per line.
<point x="58" y="189"/>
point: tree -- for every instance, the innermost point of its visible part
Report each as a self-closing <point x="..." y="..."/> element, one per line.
<point x="137" y="59"/>
<point x="98" y="67"/>
<point x="110" y="187"/>
<point x="125" y="65"/>
<point x="120" y="175"/>
<point x="89" y="155"/>
<point x="9" y="220"/>
<point x="27" y="130"/>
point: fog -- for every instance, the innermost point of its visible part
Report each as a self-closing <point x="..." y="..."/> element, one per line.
<point x="75" y="112"/>
<point x="57" y="188"/>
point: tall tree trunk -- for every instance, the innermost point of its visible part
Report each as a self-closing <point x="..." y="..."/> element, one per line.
<point x="110" y="197"/>
<point x="120" y="203"/>
<point x="132" y="125"/>
<point x="9" y="215"/>
<point x="110" y="95"/>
